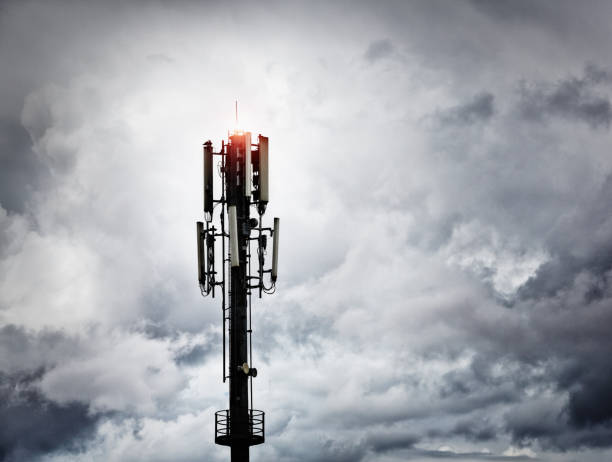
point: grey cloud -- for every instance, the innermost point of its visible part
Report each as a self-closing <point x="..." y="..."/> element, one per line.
<point x="548" y="425"/>
<point x="195" y="354"/>
<point x="157" y="303"/>
<point x="578" y="244"/>
<point x="42" y="377"/>
<point x="596" y="74"/>
<point x="378" y="50"/>
<point x="391" y="440"/>
<point x="21" y="171"/>
<point x="474" y="430"/>
<point x="23" y="350"/>
<point x="299" y="329"/>
<point x="567" y="340"/>
<point x="560" y="19"/>
<point x="160" y="58"/>
<point x="456" y="455"/>
<point x="38" y="118"/>
<point x="480" y="109"/>
<point x="539" y="420"/>
<point x="589" y="404"/>
<point x="508" y="185"/>
<point x="571" y="355"/>
<point x="567" y="304"/>
<point x="573" y="98"/>
<point x="325" y="449"/>
<point x="341" y="451"/>
<point x="158" y="330"/>
<point x="33" y="425"/>
<point x="496" y="361"/>
<point x="519" y="10"/>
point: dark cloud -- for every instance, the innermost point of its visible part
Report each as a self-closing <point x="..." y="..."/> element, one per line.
<point x="33" y="425"/>
<point x="195" y="354"/>
<point x="479" y="109"/>
<point x="158" y="330"/>
<point x="391" y="440"/>
<point x="566" y="343"/>
<point x="21" y="171"/>
<point x="579" y="244"/>
<point x="596" y="74"/>
<point x="538" y="421"/>
<point x="342" y="451"/>
<point x="378" y="50"/>
<point x="568" y="301"/>
<point x="586" y="419"/>
<point x="21" y="349"/>
<point x="477" y="387"/>
<point x="518" y="10"/>
<point x="474" y="431"/>
<point x="456" y="455"/>
<point x="562" y="346"/>
<point x="590" y="404"/>
<point x="547" y="424"/>
<point x="326" y="449"/>
<point x="575" y="98"/>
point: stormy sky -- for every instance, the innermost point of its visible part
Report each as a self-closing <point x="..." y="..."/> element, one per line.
<point x="443" y="174"/>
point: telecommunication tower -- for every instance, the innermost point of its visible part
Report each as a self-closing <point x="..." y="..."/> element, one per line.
<point x="243" y="168"/>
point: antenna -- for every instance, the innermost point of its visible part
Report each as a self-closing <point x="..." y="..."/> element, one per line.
<point x="275" y="249"/>
<point x="233" y="237"/>
<point x="200" y="243"/>
<point x="208" y="180"/>
<point x="248" y="164"/>
<point x="244" y="176"/>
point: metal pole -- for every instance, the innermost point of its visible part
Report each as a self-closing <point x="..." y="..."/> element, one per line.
<point x="239" y="420"/>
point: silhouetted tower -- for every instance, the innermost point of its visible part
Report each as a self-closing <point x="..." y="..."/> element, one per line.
<point x="243" y="168"/>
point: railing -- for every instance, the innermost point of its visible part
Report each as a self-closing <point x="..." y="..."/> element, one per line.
<point x="223" y="427"/>
<point x="257" y="424"/>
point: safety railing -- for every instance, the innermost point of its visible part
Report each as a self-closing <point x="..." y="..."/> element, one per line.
<point x="223" y="427"/>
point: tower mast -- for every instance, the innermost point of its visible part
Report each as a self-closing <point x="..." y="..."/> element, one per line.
<point x="244" y="186"/>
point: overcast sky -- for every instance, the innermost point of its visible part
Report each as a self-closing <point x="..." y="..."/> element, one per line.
<point x="442" y="170"/>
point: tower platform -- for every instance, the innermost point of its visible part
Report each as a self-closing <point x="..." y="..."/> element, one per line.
<point x="223" y="428"/>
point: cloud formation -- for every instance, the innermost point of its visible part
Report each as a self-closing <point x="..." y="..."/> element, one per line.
<point x="480" y="108"/>
<point x="378" y="49"/>
<point x="445" y="286"/>
<point x="573" y="98"/>
<point x="35" y="426"/>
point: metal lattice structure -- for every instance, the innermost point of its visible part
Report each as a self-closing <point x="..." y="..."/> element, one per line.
<point x="243" y="171"/>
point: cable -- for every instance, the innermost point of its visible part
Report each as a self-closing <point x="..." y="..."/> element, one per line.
<point x="271" y="289"/>
<point x="219" y="167"/>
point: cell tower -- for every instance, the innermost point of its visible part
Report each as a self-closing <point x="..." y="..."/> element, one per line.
<point x="243" y="168"/>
